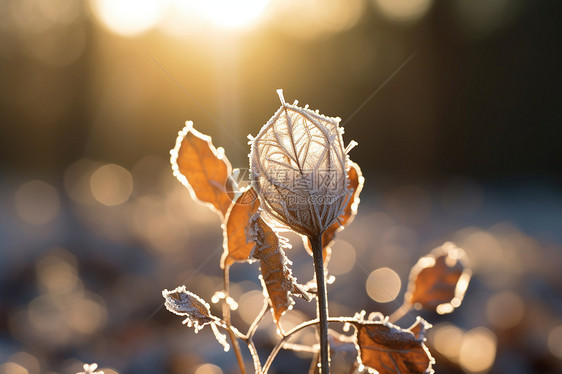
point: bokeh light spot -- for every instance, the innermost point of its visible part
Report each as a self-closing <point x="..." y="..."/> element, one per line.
<point x="128" y="17"/>
<point x="47" y="316"/>
<point x="60" y="11"/>
<point x="57" y="271"/>
<point x="342" y="259"/>
<point x="77" y="181"/>
<point x="86" y="316"/>
<point x="383" y="285"/>
<point x="249" y="305"/>
<point x="181" y="19"/>
<point x="228" y="13"/>
<point x="555" y="342"/>
<point x="111" y="185"/>
<point x="505" y="310"/>
<point x="478" y="350"/>
<point x="26" y="360"/>
<point x="37" y="202"/>
<point x="208" y="369"/>
<point x="447" y="340"/>
<point x="314" y="19"/>
<point x="13" y="368"/>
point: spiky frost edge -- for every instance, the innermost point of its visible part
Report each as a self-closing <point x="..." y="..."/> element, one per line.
<point x="462" y="282"/>
<point x="296" y="289"/>
<point x="355" y="194"/>
<point x="174" y="154"/>
<point x="377" y="318"/>
<point x="191" y="322"/>
<point x="90" y="369"/>
<point x="304" y="112"/>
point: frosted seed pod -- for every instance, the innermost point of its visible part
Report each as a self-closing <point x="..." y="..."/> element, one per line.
<point x="298" y="163"/>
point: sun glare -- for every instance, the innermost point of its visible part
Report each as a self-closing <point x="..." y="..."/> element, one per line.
<point x="129" y="17"/>
<point x="227" y="13"/>
<point x="133" y="17"/>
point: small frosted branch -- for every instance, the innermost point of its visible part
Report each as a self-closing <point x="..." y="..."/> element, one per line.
<point x="90" y="369"/>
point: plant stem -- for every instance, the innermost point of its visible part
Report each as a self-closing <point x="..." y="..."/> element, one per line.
<point x="322" y="303"/>
<point x="226" y="318"/>
<point x="400" y="312"/>
<point x="233" y="331"/>
<point x="281" y="343"/>
<point x="255" y="356"/>
<point x="252" y="329"/>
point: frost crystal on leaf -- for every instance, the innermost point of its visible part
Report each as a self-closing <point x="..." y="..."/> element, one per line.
<point x="389" y="349"/>
<point x="203" y="169"/>
<point x="440" y="279"/>
<point x="277" y="277"/>
<point x="237" y="243"/>
<point x="185" y="303"/>
<point x="298" y="163"/>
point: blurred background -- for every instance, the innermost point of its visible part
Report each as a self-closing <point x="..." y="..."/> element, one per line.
<point x="456" y="108"/>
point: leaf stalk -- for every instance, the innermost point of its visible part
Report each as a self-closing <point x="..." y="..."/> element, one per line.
<point x="322" y="303"/>
<point x="226" y="318"/>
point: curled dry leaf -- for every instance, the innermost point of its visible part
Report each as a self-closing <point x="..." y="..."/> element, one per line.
<point x="298" y="163"/>
<point x="237" y="242"/>
<point x="439" y="280"/>
<point x="203" y="169"/>
<point x="184" y="303"/>
<point x="356" y="181"/>
<point x="389" y="349"/>
<point x="277" y="277"/>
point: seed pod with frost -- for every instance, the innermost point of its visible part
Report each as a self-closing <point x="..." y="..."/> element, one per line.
<point x="298" y="163"/>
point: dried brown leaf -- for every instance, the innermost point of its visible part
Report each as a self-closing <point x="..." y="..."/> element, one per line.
<point x="203" y="169"/>
<point x="356" y="181"/>
<point x="277" y="277"/>
<point x="237" y="242"/>
<point x="197" y="312"/>
<point x="439" y="280"/>
<point x="389" y="349"/>
<point x="184" y="303"/>
<point x="419" y="328"/>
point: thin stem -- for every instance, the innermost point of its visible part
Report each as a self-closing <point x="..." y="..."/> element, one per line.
<point x="255" y="357"/>
<point x="226" y="318"/>
<point x="220" y="323"/>
<point x="301" y="347"/>
<point x="322" y="303"/>
<point x="314" y="364"/>
<point x="280" y="343"/>
<point x="400" y="312"/>
<point x="252" y="329"/>
<point x="296" y="329"/>
<point x="251" y="346"/>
